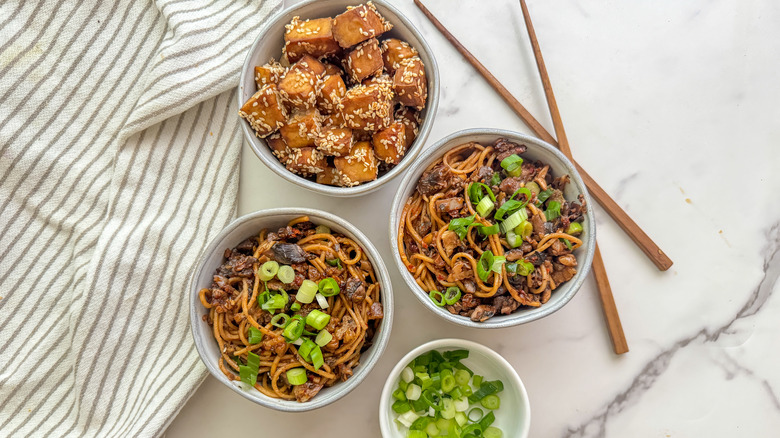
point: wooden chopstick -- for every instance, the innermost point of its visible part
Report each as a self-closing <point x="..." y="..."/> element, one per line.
<point x="645" y="243"/>
<point x="614" y="327"/>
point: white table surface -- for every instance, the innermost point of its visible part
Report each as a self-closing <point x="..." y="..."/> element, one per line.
<point x="673" y="108"/>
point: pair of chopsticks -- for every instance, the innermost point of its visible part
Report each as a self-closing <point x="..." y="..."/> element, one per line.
<point x="651" y="250"/>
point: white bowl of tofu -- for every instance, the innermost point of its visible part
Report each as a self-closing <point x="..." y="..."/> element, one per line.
<point x="338" y="97"/>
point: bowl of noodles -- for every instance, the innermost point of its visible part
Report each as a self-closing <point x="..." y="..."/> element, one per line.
<point x="291" y="307"/>
<point x="492" y="228"/>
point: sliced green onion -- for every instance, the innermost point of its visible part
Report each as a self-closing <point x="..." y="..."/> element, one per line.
<point x="263" y="298"/>
<point x="448" y="409"/>
<point x="334" y="262"/>
<point x="248" y="372"/>
<point x="475" y="192"/>
<point x="542" y="196"/>
<point x="407" y="418"/>
<point x="317" y="319"/>
<point x="491" y="402"/>
<point x="574" y="228"/>
<point x="477" y="380"/>
<point x="533" y="187"/>
<point x="437" y="298"/>
<point x="513" y="239"/>
<point x="283" y="317"/>
<point x="495" y="179"/>
<point x="297" y="376"/>
<point x="485" y="207"/>
<point x="306" y="348"/>
<point x="461" y="403"/>
<point x="452" y="295"/>
<point x="322" y="229"/>
<point x="399" y="394"/>
<point x="413" y="392"/>
<point x="306" y="291"/>
<point x="286" y="274"/>
<point x="461" y="225"/>
<point x="316" y="358"/>
<point x="462" y="377"/>
<point x="255" y="335"/>
<point x="294" y="328"/>
<point x="507" y="208"/>
<point x="492" y="432"/>
<point x="484" y="265"/>
<point x="515" y="219"/>
<point x="472" y="429"/>
<point x="323" y="338"/>
<point x="268" y="270"/>
<point x="498" y="261"/>
<point x="487" y="388"/>
<point x="328" y="287"/>
<point x="447" y="383"/>
<point x="525" y="268"/>
<point x="275" y="302"/>
<point x="296" y="306"/>
<point x="553" y="210"/>
<point x="487" y="420"/>
<point x="524" y="229"/>
<point x="432" y="399"/>
<point x="401" y="406"/>
<point x="403" y="385"/>
<point x="407" y="375"/>
<point x="513" y="165"/>
<point x="511" y="267"/>
<point x="431" y="430"/>
<point x="456" y="393"/>
<point x="489" y="230"/>
<point x="321" y="300"/>
<point x="460" y="417"/>
<point x="567" y="243"/>
<point x="475" y="415"/>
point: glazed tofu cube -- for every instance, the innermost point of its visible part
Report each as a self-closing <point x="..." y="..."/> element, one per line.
<point x="390" y="143"/>
<point x="302" y="129"/>
<point x="306" y="161"/>
<point x="364" y="60"/>
<point x="334" y="141"/>
<point x="277" y="145"/>
<point x="367" y="107"/>
<point x="311" y="65"/>
<point x="381" y="80"/>
<point x="333" y="121"/>
<point x="394" y="51"/>
<point x="331" y="91"/>
<point x="269" y="74"/>
<point x="264" y="111"/>
<point x="332" y="69"/>
<point x="410" y="84"/>
<point x="329" y="176"/>
<point x="312" y="37"/>
<point x="298" y="88"/>
<point x="358" y="166"/>
<point x="411" y="121"/>
<point x="358" y="24"/>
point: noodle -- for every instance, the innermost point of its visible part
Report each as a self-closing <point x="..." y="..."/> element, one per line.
<point x="232" y="302"/>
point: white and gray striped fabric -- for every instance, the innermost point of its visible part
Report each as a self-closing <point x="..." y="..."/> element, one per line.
<point x="119" y="152"/>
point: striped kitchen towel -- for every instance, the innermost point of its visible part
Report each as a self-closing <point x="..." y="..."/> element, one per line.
<point x="119" y="158"/>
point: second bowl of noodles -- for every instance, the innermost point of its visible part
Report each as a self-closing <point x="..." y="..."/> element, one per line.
<point x="492" y="228"/>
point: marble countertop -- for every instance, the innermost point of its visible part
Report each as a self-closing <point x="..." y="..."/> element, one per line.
<point x="672" y="107"/>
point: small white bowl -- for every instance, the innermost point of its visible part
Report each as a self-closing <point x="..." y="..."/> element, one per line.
<point x="269" y="43"/>
<point x="514" y="415"/>
<point x="272" y="219"/>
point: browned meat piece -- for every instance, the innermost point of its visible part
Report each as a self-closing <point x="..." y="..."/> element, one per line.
<point x="287" y="233"/>
<point x="567" y="260"/>
<point x="455" y="309"/>
<point x="537" y="258"/>
<point x="526" y="247"/>
<point x="505" y="305"/>
<point x="510" y="185"/>
<point x="438" y="179"/>
<point x="247" y="246"/>
<point x="237" y="265"/>
<point x="538" y="224"/>
<point x="482" y="313"/>
<point x="557" y="196"/>
<point x="314" y="274"/>
<point x="264" y="318"/>
<point x="219" y="282"/>
<point x="460" y="271"/>
<point x="355" y="290"/>
<point x="276" y="285"/>
<point x="562" y="273"/>
<point x="506" y="148"/>
<point x="288" y="253"/>
<point x="470" y="286"/>
<point x="514" y="255"/>
<point x="468" y="301"/>
<point x="277" y="344"/>
<point x="305" y="392"/>
<point x="560" y="182"/>
<point x="344" y="371"/>
<point x="438" y="261"/>
<point x="449" y="241"/>
<point x="375" y="312"/>
<point x="347" y="330"/>
<point x="558" y="248"/>
<point x="546" y="295"/>
<point x="484" y="174"/>
<point x="449" y="205"/>
<point x="423" y="225"/>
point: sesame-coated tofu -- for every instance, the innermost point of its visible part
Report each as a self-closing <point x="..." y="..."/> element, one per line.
<point x="367" y="107"/>
<point x="394" y="51"/>
<point x="264" y="111"/>
<point x="364" y="60"/>
<point x="329" y="176"/>
<point x="269" y="74"/>
<point x="298" y="88"/>
<point x="334" y="141"/>
<point x="312" y="65"/>
<point x="306" y="161"/>
<point x="410" y="84"/>
<point x="390" y="143"/>
<point x="302" y="129"/>
<point x="358" y="24"/>
<point x="278" y="146"/>
<point x="381" y="79"/>
<point x="312" y="37"/>
<point x="358" y="166"/>
<point x="411" y="121"/>
<point x="332" y="69"/>
<point x="330" y="93"/>
<point x="333" y="120"/>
